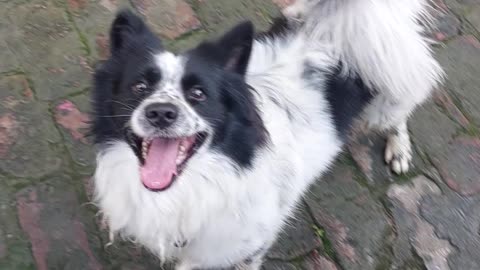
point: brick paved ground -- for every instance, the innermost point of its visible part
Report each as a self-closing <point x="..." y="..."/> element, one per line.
<point x="359" y="216"/>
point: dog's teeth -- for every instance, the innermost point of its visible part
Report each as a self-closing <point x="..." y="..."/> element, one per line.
<point x="180" y="159"/>
<point x="182" y="148"/>
<point x="145" y="144"/>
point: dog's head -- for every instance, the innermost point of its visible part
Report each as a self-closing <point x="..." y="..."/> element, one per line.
<point x="171" y="107"/>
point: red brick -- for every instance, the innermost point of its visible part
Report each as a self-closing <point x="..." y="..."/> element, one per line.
<point x="338" y="234"/>
<point x="316" y="261"/>
<point x="169" y="18"/>
<point x="460" y="166"/>
<point x="29" y="216"/>
<point x="72" y="119"/>
<point x="110" y="5"/>
<point x="8" y="132"/>
<point x="76" y="5"/>
<point x="50" y="215"/>
<point x="103" y="47"/>
<point x="82" y="242"/>
<point x="283" y="3"/>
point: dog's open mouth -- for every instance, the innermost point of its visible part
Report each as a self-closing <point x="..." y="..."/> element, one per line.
<point x="163" y="159"/>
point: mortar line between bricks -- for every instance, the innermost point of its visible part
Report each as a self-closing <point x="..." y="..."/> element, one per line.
<point x="12" y="72"/>
<point x="471" y="129"/>
<point x="31" y="85"/>
<point x="334" y="255"/>
<point x="457" y="103"/>
<point x="471" y="27"/>
<point x="429" y="177"/>
<point x="83" y="40"/>
<point x="21" y="71"/>
<point x="84" y="91"/>
<point x="391" y="229"/>
<point x="419" y="151"/>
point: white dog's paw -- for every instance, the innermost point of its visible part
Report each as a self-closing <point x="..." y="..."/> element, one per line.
<point x="398" y="153"/>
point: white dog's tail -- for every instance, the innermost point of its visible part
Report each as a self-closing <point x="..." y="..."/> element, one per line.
<point x="381" y="40"/>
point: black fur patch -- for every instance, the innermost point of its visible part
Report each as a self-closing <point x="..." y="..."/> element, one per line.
<point x="347" y="96"/>
<point x="220" y="67"/>
<point x="131" y="61"/>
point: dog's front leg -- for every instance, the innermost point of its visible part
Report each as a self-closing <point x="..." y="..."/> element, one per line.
<point x="398" y="151"/>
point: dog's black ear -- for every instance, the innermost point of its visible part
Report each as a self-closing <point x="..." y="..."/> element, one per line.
<point x="235" y="47"/>
<point x="124" y="28"/>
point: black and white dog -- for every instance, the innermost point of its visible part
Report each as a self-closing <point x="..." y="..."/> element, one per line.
<point x="203" y="155"/>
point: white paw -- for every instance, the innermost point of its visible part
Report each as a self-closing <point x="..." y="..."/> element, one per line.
<point x="398" y="153"/>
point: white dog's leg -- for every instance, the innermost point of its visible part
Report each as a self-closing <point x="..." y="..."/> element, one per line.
<point x="391" y="116"/>
<point x="398" y="151"/>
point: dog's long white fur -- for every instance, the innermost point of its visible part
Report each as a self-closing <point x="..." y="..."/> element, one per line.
<point x="384" y="43"/>
<point x="228" y="215"/>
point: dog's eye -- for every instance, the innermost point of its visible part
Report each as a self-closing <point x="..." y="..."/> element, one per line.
<point x="139" y="87"/>
<point x="196" y="93"/>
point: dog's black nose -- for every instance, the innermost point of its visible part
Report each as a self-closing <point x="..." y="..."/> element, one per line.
<point x="161" y="115"/>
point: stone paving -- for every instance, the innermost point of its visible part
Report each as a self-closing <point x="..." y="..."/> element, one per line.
<point x="359" y="216"/>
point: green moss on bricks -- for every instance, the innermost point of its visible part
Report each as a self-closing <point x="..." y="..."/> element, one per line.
<point x="471" y="130"/>
<point x="82" y="38"/>
<point x="327" y="244"/>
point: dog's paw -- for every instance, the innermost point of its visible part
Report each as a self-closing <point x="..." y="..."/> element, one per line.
<point x="398" y="153"/>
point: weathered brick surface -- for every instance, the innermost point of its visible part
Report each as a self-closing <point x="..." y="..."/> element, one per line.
<point x="74" y="123"/>
<point x="462" y="70"/>
<point x="460" y="165"/>
<point x="169" y="18"/>
<point x="414" y="234"/>
<point x="317" y="261"/>
<point x="50" y="215"/>
<point x="358" y="216"/>
<point x="339" y="204"/>
<point x="26" y="131"/>
<point x="46" y="46"/>
<point x="297" y="240"/>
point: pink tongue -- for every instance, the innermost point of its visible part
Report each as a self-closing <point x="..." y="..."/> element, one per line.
<point x="160" y="166"/>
